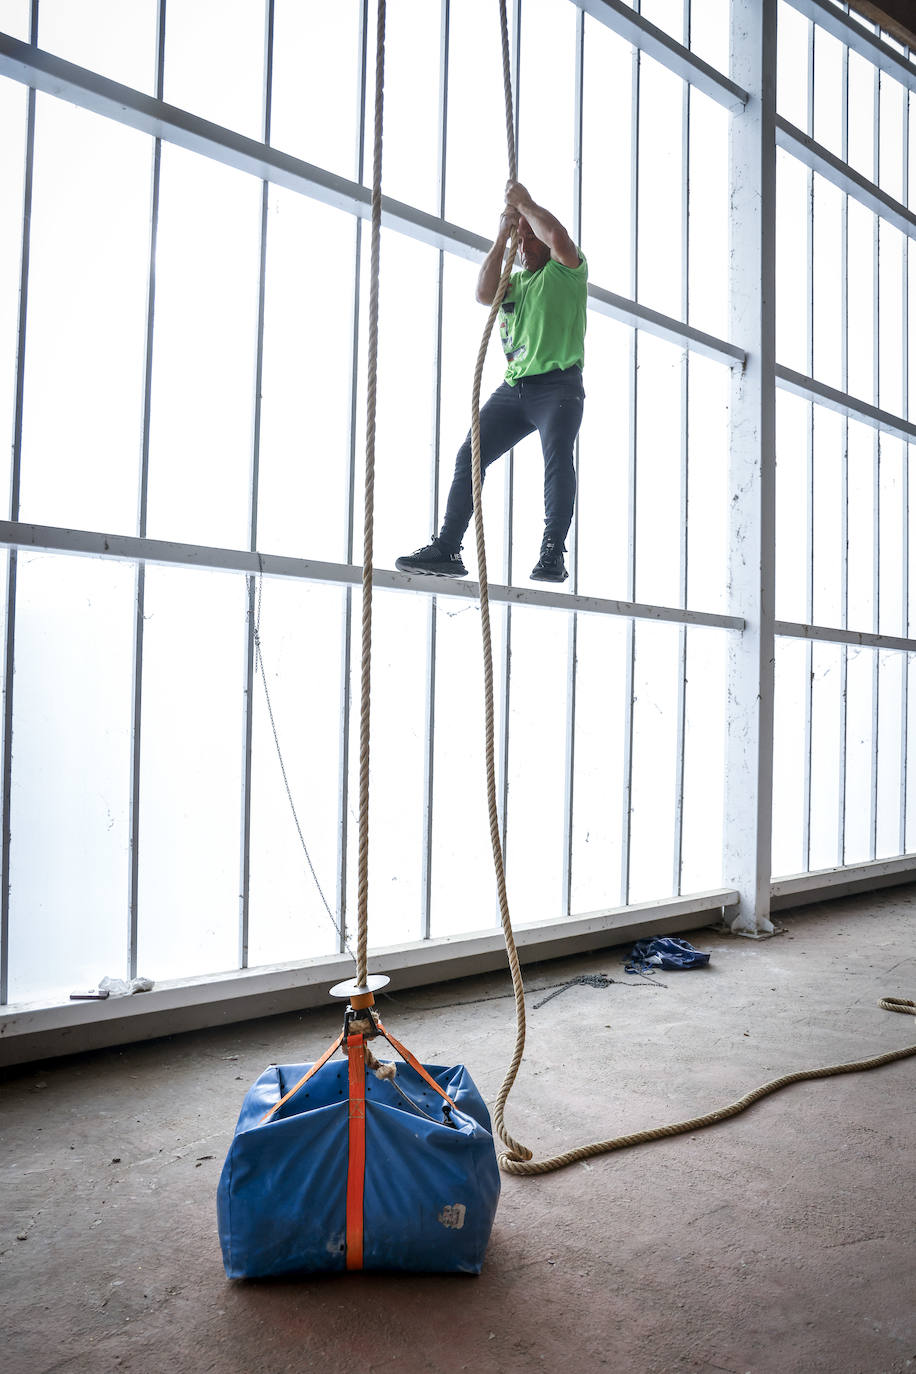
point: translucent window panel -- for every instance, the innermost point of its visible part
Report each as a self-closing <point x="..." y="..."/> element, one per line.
<point x="667" y="15"/>
<point x="828" y="91"/>
<point x="792" y="549"/>
<point x="910" y="793"/>
<point x="203" y="352"/>
<point x="891" y="111"/>
<point x="704" y="759"/>
<point x="791" y="270"/>
<point x="892" y="528"/>
<point x="709" y="32"/>
<point x="861" y="122"/>
<point x="603" y="499"/>
<point x="396" y="768"/>
<point x="410" y="158"/>
<point x="860" y="773"/>
<point x="537" y="765"/>
<point x="653" y="794"/>
<point x="826" y="755"/>
<point x="405" y="399"/>
<point x="659" y="483"/>
<point x="476" y="161"/>
<point x="107" y="36"/>
<point x="304" y="455"/>
<point x="910" y="517"/>
<point x="546" y="137"/>
<point x="709" y="387"/>
<point x="15" y="18"/>
<point x="312" y="117"/>
<point x="889" y="814"/>
<point x="13" y="98"/>
<point x="607" y="134"/>
<point x="792" y="66"/>
<point x="191" y="772"/>
<point x="214" y="61"/>
<point x="600" y="752"/>
<point x="463" y="882"/>
<point x="911" y="146"/>
<point x="910" y="307"/>
<point x="861" y="304"/>
<point x="891" y="319"/>
<point x="790" y="758"/>
<point x="85" y="346"/>
<point x="829" y="270"/>
<point x="862" y="563"/>
<point x="70" y="797"/>
<point x="463" y="322"/>
<point x="829" y="505"/>
<point x="708" y="216"/>
<point x="661" y="176"/>
<point x="301" y="636"/>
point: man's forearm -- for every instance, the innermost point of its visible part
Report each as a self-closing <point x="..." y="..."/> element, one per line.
<point x="491" y="271"/>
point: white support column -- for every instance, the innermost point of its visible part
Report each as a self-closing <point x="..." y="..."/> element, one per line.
<point x="749" y="770"/>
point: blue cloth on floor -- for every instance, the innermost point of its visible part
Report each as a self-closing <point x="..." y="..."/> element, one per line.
<point x="430" y="1189"/>
<point x="664" y="952"/>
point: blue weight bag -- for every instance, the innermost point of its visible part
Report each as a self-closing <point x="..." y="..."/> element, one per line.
<point x="334" y="1168"/>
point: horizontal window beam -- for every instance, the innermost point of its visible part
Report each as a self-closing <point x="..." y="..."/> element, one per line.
<point x="641" y="317"/>
<point x="859" y="40"/>
<point x="21" y="62"/>
<point x="841" y="401"/>
<point x="131" y="548"/>
<point x="833" y="169"/>
<point x="823" y="885"/>
<point x="29" y="1032"/>
<point x="860" y="639"/>
<point x="625" y="22"/>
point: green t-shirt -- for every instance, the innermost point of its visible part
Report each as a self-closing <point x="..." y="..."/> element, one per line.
<point x="542" y="319"/>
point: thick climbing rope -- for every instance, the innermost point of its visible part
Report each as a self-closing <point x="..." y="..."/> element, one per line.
<point x="517" y="1159"/>
<point x="369" y="511"/>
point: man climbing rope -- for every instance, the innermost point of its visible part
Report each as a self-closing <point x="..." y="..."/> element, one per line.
<point x="542" y="328"/>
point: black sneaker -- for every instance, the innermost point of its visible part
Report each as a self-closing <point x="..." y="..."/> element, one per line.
<point x="434" y="559"/>
<point x="550" y="567"/>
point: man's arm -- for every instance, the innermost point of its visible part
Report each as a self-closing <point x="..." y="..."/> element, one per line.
<point x="547" y="227"/>
<point x="492" y="267"/>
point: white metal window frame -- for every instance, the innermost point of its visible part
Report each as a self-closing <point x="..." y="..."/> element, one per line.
<point x="756" y="131"/>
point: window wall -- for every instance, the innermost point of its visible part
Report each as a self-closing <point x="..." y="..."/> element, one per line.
<point x="183" y="306"/>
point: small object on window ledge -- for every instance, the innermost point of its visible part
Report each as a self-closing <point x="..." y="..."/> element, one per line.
<point x="92" y="995"/>
<point x="119" y="987"/>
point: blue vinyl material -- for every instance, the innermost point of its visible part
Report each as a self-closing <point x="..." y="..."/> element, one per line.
<point x="430" y="1189"/>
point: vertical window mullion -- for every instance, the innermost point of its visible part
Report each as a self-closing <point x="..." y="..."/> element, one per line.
<point x="573" y="625"/>
<point x="12" y="566"/>
<point x="632" y="486"/>
<point x="809" y="461"/>
<point x="876" y="529"/>
<point x="432" y="608"/>
<point x="133" y="905"/>
<point x="905" y="478"/>
<point x="677" y="856"/>
<point x="844" y="495"/>
<point x="245" y="856"/>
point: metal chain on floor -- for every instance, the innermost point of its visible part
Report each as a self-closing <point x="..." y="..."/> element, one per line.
<point x="517" y="1158"/>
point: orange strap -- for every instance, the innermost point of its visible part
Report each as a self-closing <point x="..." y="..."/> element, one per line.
<point x="304" y="1079"/>
<point x="356" y="1161"/>
<point x="414" y="1063"/>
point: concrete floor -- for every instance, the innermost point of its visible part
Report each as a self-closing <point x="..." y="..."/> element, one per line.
<point x="778" y="1242"/>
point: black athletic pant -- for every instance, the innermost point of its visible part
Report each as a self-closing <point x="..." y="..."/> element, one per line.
<point x="549" y="402"/>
